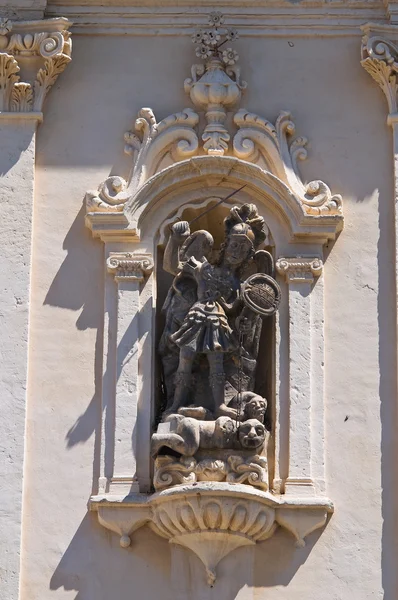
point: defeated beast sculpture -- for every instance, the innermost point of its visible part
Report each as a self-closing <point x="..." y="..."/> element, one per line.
<point x="187" y="435"/>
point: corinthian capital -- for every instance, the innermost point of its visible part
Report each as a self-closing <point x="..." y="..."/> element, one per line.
<point x="127" y="266"/>
<point x="299" y="269"/>
<point x="46" y="43"/>
<point x="380" y="60"/>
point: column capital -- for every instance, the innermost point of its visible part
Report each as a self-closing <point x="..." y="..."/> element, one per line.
<point x="299" y="269"/>
<point x="380" y="59"/>
<point x="45" y="42"/>
<point x="128" y="266"/>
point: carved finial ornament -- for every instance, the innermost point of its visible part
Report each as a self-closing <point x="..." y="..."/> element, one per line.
<point x="215" y="86"/>
<point x="52" y="48"/>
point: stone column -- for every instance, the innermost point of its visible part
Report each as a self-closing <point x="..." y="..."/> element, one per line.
<point x="47" y="44"/>
<point x="300" y="273"/>
<point x="129" y="270"/>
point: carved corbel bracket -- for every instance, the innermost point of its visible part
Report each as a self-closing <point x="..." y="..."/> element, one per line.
<point x="21" y="43"/>
<point x="380" y="60"/>
<point x="299" y="269"/>
<point x="212" y="519"/>
<point x="128" y="266"/>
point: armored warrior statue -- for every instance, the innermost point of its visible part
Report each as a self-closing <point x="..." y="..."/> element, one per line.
<point x="214" y="311"/>
<point x="209" y="313"/>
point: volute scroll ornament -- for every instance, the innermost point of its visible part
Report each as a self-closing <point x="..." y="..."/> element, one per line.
<point x="129" y="266"/>
<point x="215" y="89"/>
<point x="380" y="60"/>
<point x="31" y="42"/>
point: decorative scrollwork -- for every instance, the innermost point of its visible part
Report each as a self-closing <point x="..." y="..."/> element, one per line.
<point x="171" y="471"/>
<point x="150" y="142"/>
<point x="53" y="47"/>
<point x="319" y="199"/>
<point x="111" y="196"/>
<point x="128" y="266"/>
<point x="299" y="268"/>
<point x="380" y="60"/>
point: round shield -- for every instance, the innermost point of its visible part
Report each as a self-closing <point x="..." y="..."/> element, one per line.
<point x="261" y="294"/>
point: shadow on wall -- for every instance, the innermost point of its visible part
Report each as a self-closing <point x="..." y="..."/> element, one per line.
<point x="278" y="560"/>
<point x="79" y="285"/>
<point x="87" y="294"/>
<point x="15" y="145"/>
<point x="95" y="566"/>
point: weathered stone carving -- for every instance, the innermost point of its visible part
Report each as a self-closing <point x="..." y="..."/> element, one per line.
<point x="209" y="318"/>
<point x="128" y="266"/>
<point x="214" y="313"/>
<point x="380" y="60"/>
<point x="299" y="268"/>
<point x="213" y="519"/>
<point x="214" y="88"/>
<point x="170" y="471"/>
<point x="30" y="42"/>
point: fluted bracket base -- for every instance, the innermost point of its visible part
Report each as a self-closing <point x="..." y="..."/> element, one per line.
<point x="211" y="519"/>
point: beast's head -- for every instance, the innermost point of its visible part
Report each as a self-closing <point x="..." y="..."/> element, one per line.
<point x="251" y="434"/>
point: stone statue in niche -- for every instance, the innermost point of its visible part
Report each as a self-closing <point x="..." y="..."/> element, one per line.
<point x="209" y="347"/>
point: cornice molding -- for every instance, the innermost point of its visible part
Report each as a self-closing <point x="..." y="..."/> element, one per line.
<point x="255" y="19"/>
<point x="46" y="41"/>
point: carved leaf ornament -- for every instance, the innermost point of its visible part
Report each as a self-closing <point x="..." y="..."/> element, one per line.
<point x="380" y="60"/>
<point x="55" y="50"/>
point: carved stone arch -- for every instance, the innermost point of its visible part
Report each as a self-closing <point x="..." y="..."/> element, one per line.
<point x="203" y="176"/>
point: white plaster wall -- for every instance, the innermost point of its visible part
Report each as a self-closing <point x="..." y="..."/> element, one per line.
<point x="16" y="201"/>
<point x="66" y="554"/>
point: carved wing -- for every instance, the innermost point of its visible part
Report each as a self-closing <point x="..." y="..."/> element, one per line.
<point x="198" y="245"/>
<point x="264" y="262"/>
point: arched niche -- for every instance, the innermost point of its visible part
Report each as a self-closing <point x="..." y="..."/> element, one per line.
<point x="199" y="178"/>
<point x="134" y="292"/>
